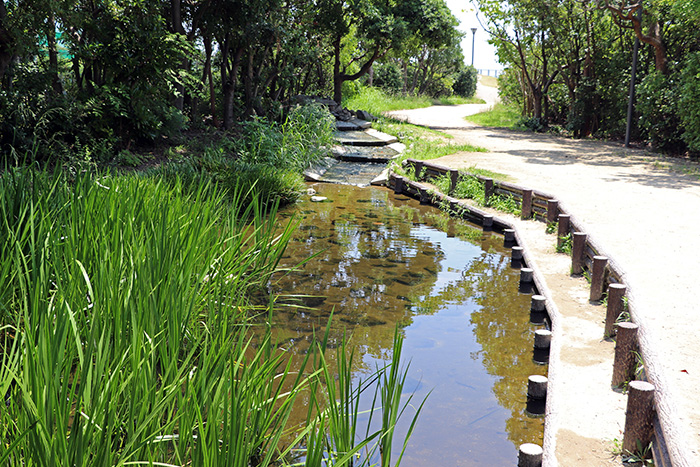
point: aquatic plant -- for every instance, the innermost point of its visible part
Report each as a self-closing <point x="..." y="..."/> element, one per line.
<point x="125" y="329"/>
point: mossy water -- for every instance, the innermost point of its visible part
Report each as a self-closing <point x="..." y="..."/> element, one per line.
<point x="382" y="260"/>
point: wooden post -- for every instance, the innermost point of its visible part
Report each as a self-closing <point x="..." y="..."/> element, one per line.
<point x="597" y="276"/>
<point x="625" y="354"/>
<point x="398" y="185"/>
<point x="508" y="237"/>
<point x="616" y="303"/>
<point x="516" y="253"/>
<point x="563" y="228"/>
<point x="418" y="166"/>
<point x="543" y="339"/>
<point x="577" y="253"/>
<point x="454" y="179"/>
<point x="526" y="275"/>
<point x="537" y="387"/>
<point x="487" y="221"/>
<point x="537" y="303"/>
<point x="530" y="455"/>
<point x="424" y="196"/>
<point x="526" y="207"/>
<point x="639" y="417"/>
<point x="488" y="190"/>
<point x="538" y="312"/>
<point x="552" y="210"/>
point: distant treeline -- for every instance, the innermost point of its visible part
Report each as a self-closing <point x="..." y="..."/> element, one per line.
<point x="569" y="63"/>
<point x="90" y="77"/>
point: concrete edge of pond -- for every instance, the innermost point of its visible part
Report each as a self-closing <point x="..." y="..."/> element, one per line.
<point x="669" y="438"/>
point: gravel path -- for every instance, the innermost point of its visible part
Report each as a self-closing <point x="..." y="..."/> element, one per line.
<point x="645" y="211"/>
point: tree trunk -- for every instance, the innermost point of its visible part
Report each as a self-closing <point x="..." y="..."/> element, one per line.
<point x="340" y="77"/>
<point x="654" y="38"/>
<point x="337" y="80"/>
<point x="207" y="69"/>
<point x="228" y="79"/>
<point x="53" y="54"/>
<point x="536" y="94"/>
<point x="6" y="42"/>
<point x="404" y="65"/>
<point x="178" y="28"/>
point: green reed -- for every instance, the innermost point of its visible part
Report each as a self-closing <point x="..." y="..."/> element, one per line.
<point x="125" y="333"/>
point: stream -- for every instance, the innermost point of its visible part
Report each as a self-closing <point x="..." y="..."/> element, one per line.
<point x="383" y="260"/>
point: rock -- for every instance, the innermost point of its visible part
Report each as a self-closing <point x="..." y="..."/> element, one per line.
<point x="310" y="192"/>
<point x="364" y="115"/>
<point x="318" y="199"/>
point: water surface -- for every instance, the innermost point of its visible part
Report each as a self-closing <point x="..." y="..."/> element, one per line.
<point x="383" y="260"/>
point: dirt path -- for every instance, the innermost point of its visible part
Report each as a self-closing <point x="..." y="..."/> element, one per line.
<point x="645" y="211"/>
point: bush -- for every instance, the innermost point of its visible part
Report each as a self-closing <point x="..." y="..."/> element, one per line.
<point x="465" y="83"/>
<point x="689" y="100"/>
<point x="658" y="113"/>
<point x="440" y="87"/>
<point x="302" y="140"/>
<point x="388" y="77"/>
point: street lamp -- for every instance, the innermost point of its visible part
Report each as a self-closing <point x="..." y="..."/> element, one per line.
<point x="473" y="36"/>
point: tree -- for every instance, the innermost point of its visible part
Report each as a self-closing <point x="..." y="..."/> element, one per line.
<point x="630" y="16"/>
<point x="524" y="33"/>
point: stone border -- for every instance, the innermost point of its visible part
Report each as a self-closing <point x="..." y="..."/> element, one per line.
<point x="667" y="438"/>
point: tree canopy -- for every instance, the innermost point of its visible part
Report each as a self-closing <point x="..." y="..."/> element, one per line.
<point x="569" y="64"/>
<point x="105" y="74"/>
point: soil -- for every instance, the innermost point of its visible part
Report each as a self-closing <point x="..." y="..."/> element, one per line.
<point x="644" y="209"/>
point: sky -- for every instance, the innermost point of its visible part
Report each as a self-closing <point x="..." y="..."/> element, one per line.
<point x="484" y="53"/>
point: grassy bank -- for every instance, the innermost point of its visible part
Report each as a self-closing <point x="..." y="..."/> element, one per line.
<point x="502" y="116"/>
<point x="125" y="319"/>
<point x="421" y="143"/>
<point x="376" y="101"/>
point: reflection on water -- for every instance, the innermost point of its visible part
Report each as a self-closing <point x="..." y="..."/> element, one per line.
<point x="383" y="260"/>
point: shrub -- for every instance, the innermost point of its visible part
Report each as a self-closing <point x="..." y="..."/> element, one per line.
<point x="657" y="106"/>
<point x="465" y="83"/>
<point x="689" y="100"/>
<point x="388" y="77"/>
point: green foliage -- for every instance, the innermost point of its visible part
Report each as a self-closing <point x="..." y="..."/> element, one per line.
<point x="266" y="162"/>
<point x="657" y="104"/>
<point x="425" y="150"/>
<point x="457" y="100"/>
<point x="504" y="203"/>
<point x="388" y="77"/>
<point x="376" y="101"/>
<point x="302" y="140"/>
<point x="567" y="244"/>
<point x="500" y="115"/>
<point x="689" y="102"/>
<point x="126" y="335"/>
<point x="465" y="82"/>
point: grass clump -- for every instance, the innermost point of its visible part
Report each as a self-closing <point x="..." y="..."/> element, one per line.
<point x="566" y="245"/>
<point x="458" y="100"/>
<point x="500" y="115"/>
<point x="376" y="101"/>
<point x="469" y="186"/>
<point x="266" y="162"/>
<point x="125" y="328"/>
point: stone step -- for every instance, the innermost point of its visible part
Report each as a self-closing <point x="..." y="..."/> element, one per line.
<point x="354" y="124"/>
<point x="376" y="154"/>
<point x="368" y="137"/>
<point x="352" y="173"/>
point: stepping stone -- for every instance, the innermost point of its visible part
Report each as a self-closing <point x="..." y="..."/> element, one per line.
<point x="354" y="124"/>
<point x="365" y="153"/>
<point x="364" y="138"/>
<point x="353" y="173"/>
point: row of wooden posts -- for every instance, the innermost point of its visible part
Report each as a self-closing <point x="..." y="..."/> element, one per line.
<point x="640" y="411"/>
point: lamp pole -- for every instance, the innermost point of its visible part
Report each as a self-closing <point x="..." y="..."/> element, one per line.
<point x="473" y="37"/>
